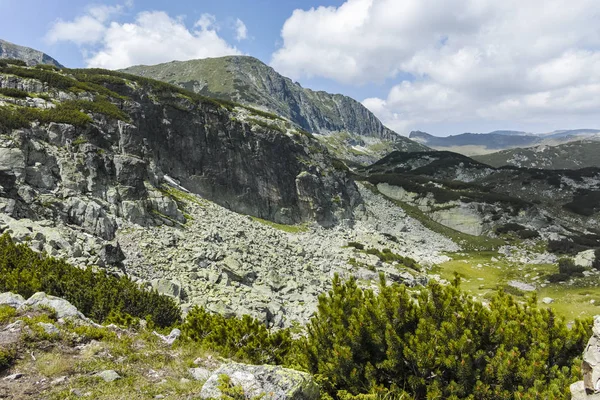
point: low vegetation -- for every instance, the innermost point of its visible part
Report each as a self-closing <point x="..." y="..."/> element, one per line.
<point x="15" y="93"/>
<point x="432" y="342"/>
<point x="95" y="294"/>
<point x="439" y="343"/>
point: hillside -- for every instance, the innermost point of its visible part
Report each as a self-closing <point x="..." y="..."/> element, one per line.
<point x="249" y="81"/>
<point x="29" y="55"/>
<point x="475" y="198"/>
<point x="573" y="155"/>
<point x="484" y="143"/>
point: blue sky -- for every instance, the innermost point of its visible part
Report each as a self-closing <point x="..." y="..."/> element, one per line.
<point x="441" y="67"/>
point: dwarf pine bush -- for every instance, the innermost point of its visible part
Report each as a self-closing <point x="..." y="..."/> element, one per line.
<point x="96" y="294"/>
<point x="439" y="343"/>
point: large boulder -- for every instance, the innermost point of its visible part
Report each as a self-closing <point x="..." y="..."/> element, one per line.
<point x="63" y="308"/>
<point x="11" y="299"/>
<point x="167" y="288"/>
<point x="585" y="258"/>
<point x="589" y="388"/>
<point x="271" y="382"/>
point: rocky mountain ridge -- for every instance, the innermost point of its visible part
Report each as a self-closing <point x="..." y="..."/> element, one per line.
<point x="149" y="180"/>
<point x="475" y="198"/>
<point x="249" y="81"/>
<point x="483" y="143"/>
<point x="572" y="155"/>
<point x="29" y="55"/>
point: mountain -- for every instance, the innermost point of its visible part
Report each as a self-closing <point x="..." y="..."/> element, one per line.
<point x="249" y="81"/>
<point x="487" y="141"/>
<point x="29" y="55"/>
<point x="572" y="155"/>
<point x="212" y="203"/>
<point x="482" y="143"/>
<point x="475" y="198"/>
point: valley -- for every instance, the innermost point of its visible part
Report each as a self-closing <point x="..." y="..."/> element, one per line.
<point x="212" y="215"/>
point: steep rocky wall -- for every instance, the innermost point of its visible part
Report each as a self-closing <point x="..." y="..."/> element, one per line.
<point x="85" y="180"/>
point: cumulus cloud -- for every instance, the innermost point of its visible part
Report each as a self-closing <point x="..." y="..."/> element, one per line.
<point x="152" y="37"/>
<point x="88" y="28"/>
<point x="466" y="60"/>
<point x="241" y="31"/>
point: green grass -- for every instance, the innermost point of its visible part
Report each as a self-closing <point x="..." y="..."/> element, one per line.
<point x="282" y="227"/>
<point x="569" y="301"/>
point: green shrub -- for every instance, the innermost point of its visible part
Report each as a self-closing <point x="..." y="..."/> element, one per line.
<point x="6" y="313"/>
<point x="47" y="67"/>
<point x="585" y="202"/>
<point x="14" y="61"/>
<point x="564" y="246"/>
<point x="16" y="93"/>
<point x="7" y="356"/>
<point x="95" y="294"/>
<point x="242" y="338"/>
<point x="441" y="344"/>
<point x="556" y="278"/>
<point x="568" y="267"/>
<point x="356" y="245"/>
<point x="596" y="262"/>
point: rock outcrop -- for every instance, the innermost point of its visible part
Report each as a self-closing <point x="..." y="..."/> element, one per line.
<point x="589" y="387"/>
<point x="27" y="54"/>
<point x="349" y="129"/>
<point x="92" y="176"/>
<point x="270" y="382"/>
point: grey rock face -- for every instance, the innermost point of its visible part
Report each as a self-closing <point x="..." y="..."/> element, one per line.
<point x="200" y="374"/>
<point x="12" y="299"/>
<point x="50" y="329"/>
<point x="168" y="288"/>
<point x="29" y="55"/>
<point x="589" y="388"/>
<point x="272" y="382"/>
<point x="255" y="83"/>
<point x="63" y="308"/>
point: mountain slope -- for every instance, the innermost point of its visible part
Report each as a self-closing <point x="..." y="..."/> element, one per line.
<point x="483" y="143"/>
<point x="249" y="81"/>
<point x="573" y="155"/>
<point x="29" y="55"/>
<point x="475" y="198"/>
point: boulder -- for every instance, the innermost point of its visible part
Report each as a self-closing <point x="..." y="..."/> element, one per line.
<point x="50" y="329"/>
<point x="168" y="288"/>
<point x="171" y="338"/>
<point x="585" y="258"/>
<point x="271" y="382"/>
<point x="11" y="299"/>
<point x="63" y="308"/>
<point x="108" y="375"/>
<point x="590" y="368"/>
<point x="200" y="374"/>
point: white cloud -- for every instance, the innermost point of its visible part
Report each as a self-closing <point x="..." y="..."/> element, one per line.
<point x="468" y="60"/>
<point x="241" y="31"/>
<point x="206" y="22"/>
<point x="151" y="38"/>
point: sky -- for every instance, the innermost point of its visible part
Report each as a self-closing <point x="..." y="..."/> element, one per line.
<point x="443" y="67"/>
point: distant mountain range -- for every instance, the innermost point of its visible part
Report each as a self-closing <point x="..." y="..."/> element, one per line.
<point x="249" y="81"/>
<point x="482" y="143"/>
<point x="572" y="155"/>
<point x="29" y="55"/>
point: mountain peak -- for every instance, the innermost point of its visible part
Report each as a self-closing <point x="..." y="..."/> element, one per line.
<point x="27" y="54"/>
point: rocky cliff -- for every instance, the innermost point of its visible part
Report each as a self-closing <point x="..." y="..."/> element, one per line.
<point x="29" y="55"/>
<point x="249" y="81"/>
<point x="100" y="154"/>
